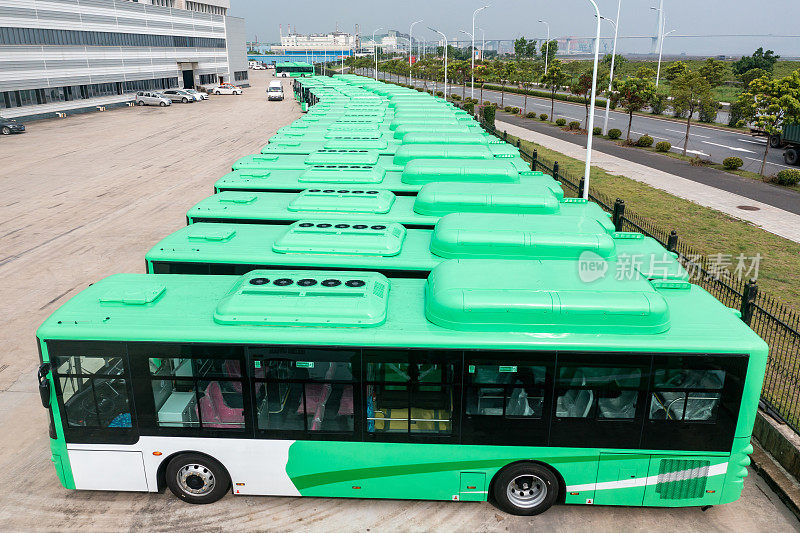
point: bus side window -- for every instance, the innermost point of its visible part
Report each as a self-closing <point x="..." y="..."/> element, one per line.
<point x="198" y="392"/>
<point x="604" y="393"/>
<point x="94" y="391"/>
<point x="686" y="394"/>
<point x="514" y="391"/>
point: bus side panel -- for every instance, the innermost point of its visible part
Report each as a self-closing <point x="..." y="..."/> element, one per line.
<point x="58" y="446"/>
<point x="756" y="367"/>
<point x="422" y="471"/>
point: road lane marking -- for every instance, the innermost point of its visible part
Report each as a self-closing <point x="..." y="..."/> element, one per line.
<point x="684" y="133"/>
<point x="754" y="141"/>
<point x="689" y="151"/>
<point x="768" y="162"/>
<point x="728" y="147"/>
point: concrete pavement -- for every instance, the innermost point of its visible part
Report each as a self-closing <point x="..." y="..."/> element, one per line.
<point x="772" y="219"/>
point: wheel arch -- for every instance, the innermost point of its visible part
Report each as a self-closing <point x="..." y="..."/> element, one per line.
<point x="562" y="486"/>
<point x="161" y="472"/>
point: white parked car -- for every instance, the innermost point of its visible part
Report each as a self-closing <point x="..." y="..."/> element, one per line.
<point x="197" y="94"/>
<point x="227" y="89"/>
<point x="152" y="98"/>
<point x="259" y="67"/>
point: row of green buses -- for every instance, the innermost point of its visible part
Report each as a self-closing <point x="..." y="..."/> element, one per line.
<point x="386" y="302"/>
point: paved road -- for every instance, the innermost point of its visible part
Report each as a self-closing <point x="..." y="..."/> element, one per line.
<point x="709" y="143"/>
<point x="774" y="195"/>
<point x="86" y="197"/>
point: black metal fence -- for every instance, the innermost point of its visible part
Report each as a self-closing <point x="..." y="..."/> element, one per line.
<point x="778" y="325"/>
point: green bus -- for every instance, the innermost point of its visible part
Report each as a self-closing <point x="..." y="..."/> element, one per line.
<point x="394" y="251"/>
<point x="491" y="380"/>
<point x="293" y="69"/>
<point x="376" y="206"/>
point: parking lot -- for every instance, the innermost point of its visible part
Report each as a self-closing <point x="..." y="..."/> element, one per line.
<point x="87" y="196"/>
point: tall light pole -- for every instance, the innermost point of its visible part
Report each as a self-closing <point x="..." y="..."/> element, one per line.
<point x="546" y="46"/>
<point x="660" y="53"/>
<point x="375" y="50"/>
<point x="474" y="14"/>
<point x="410" y="46"/>
<point x="590" y="126"/>
<point x="483" y="42"/>
<point x="613" y="58"/>
<point x="445" y="59"/>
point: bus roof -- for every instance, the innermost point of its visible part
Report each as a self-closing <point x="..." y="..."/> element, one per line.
<point x="464" y="304"/>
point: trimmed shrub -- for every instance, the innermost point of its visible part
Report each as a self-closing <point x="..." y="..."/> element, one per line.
<point x="516" y="110"/>
<point x="732" y="163"/>
<point x="455" y="97"/>
<point x="489" y="114"/>
<point x="614" y="134"/>
<point x="789" y="176"/>
<point x="543" y="116"/>
<point x="561" y="122"/>
<point x="507" y="108"/>
<point x="487" y="102"/>
<point x="469" y="107"/>
<point x="663" y="146"/>
<point x="439" y="94"/>
<point x="574" y="125"/>
<point x="645" y="141"/>
<point x="530" y="115"/>
<point x="597" y="131"/>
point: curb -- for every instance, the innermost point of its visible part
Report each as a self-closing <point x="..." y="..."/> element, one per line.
<point x="778" y="479"/>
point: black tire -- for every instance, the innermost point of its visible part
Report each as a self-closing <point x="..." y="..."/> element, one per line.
<point x="6" y="130"/>
<point x="217" y="93"/>
<point x="163" y="104"/>
<point x="191" y="471"/>
<point x="185" y="100"/>
<point x="140" y="103"/>
<point x="791" y="156"/>
<point x="775" y="141"/>
<point x="525" y="489"/>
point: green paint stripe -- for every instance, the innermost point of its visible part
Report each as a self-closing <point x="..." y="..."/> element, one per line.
<point x="338" y="476"/>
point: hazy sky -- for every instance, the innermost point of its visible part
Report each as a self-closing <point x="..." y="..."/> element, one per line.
<point x="508" y="19"/>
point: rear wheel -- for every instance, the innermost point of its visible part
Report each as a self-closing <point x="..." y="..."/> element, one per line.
<point x="6" y="130"/>
<point x="525" y="489"/>
<point x="791" y="156"/>
<point x="140" y="103"/>
<point x="217" y="93"/>
<point x="195" y="478"/>
<point x="775" y="141"/>
<point x="185" y="100"/>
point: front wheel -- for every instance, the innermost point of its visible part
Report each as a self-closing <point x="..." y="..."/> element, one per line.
<point x="525" y="489"/>
<point x="195" y="478"/>
<point x="163" y="104"/>
<point x="185" y="100"/>
<point x="791" y="156"/>
<point x="6" y="130"/>
<point x="217" y="93"/>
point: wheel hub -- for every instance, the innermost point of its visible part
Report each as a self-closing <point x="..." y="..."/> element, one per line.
<point x="196" y="479"/>
<point x="526" y="491"/>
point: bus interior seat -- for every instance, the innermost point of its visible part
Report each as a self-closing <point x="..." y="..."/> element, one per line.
<point x="212" y="407"/>
<point x="575" y="403"/>
<point x="622" y="406"/>
<point x="518" y="403"/>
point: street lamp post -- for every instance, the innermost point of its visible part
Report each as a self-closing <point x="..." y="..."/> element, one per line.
<point x="445" y="59"/>
<point x="474" y="14"/>
<point x="660" y="53"/>
<point x="590" y="126"/>
<point x="375" y="50"/>
<point x="613" y="58"/>
<point x="410" y="46"/>
<point x="546" y="47"/>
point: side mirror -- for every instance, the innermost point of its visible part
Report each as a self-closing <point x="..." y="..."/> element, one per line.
<point x="44" y="385"/>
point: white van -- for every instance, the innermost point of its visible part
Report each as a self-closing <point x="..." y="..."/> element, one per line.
<point x="275" y="90"/>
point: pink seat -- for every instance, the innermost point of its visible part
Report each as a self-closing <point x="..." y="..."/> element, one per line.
<point x="233" y="370"/>
<point x="316" y="393"/>
<point x="346" y="403"/>
<point x="214" y="411"/>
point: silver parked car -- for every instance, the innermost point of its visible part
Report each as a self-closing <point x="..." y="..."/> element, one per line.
<point x="152" y="98"/>
<point x="197" y="94"/>
<point x="179" y="95"/>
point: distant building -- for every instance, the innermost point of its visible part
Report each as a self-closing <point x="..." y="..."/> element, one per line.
<point x="390" y="43"/>
<point x="65" y="56"/>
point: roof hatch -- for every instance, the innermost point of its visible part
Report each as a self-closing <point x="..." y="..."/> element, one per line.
<point x="421" y="171"/>
<point x="408" y="152"/>
<point x="336" y="237"/>
<point x="210" y="233"/>
<point x="145" y="293"/>
<point x="532" y="296"/>
<point x="343" y="201"/>
<point x="308" y="298"/>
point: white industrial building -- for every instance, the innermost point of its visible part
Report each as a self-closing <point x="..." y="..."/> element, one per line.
<point x="316" y="42"/>
<point x="66" y="56"/>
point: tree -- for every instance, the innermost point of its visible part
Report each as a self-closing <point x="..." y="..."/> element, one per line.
<point x="482" y="73"/>
<point x="771" y="103"/>
<point x="753" y="74"/>
<point x="633" y="94"/>
<point x="618" y="62"/>
<point x="583" y="87"/>
<point x="691" y="92"/>
<point x="759" y="59"/>
<point x="520" y="47"/>
<point x="675" y="70"/>
<point x="549" y="51"/>
<point x="530" y="48"/>
<point x="713" y="71"/>
<point x="509" y="74"/>
<point x="646" y="73"/>
<point x="553" y="80"/>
